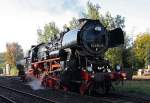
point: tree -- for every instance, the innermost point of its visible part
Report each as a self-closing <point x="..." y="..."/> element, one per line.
<point x="50" y="31"/>
<point x="14" y="52"/>
<point x="148" y="57"/>
<point x="107" y="20"/>
<point x="73" y="23"/>
<point x="92" y="11"/>
<point x="2" y="61"/>
<point x="114" y="55"/>
<point x="141" y="49"/>
<point x="112" y="22"/>
<point x="2" y="58"/>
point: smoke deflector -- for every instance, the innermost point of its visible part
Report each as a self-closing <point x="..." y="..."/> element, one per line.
<point x="116" y="37"/>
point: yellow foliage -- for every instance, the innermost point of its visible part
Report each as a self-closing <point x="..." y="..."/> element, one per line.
<point x="141" y="47"/>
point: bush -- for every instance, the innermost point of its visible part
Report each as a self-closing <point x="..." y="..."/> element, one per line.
<point x="13" y="71"/>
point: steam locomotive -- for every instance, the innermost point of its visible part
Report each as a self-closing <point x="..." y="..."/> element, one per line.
<point x="75" y="61"/>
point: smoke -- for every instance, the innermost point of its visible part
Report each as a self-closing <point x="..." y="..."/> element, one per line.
<point x="35" y="84"/>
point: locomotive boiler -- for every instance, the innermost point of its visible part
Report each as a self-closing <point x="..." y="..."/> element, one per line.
<point x="92" y="38"/>
<point x="75" y="61"/>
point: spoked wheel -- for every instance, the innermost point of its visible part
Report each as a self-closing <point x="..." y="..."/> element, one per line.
<point x="83" y="89"/>
<point x="86" y="88"/>
<point x="65" y="88"/>
<point x="101" y="88"/>
<point x="57" y="85"/>
<point x="23" y="78"/>
<point x="44" y="83"/>
<point x="106" y="86"/>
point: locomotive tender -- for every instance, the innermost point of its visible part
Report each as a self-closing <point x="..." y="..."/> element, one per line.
<point x="75" y="61"/>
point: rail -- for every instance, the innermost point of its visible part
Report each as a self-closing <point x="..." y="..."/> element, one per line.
<point x="29" y="94"/>
<point x="114" y="97"/>
<point x="7" y="99"/>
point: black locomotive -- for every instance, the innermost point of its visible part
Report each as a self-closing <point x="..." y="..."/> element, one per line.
<point x="75" y="61"/>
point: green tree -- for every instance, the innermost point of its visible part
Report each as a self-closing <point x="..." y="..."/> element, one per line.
<point x="50" y="32"/>
<point x="92" y="11"/>
<point x="147" y="57"/>
<point x="112" y="22"/>
<point x="127" y="53"/>
<point x="73" y="23"/>
<point x="2" y="60"/>
<point x="107" y="20"/>
<point x="141" y="49"/>
<point x="114" y="55"/>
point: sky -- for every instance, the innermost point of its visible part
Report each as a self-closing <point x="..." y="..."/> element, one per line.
<point x="20" y="19"/>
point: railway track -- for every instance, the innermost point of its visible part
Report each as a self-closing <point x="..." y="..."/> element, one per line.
<point x="24" y="95"/>
<point x="71" y="97"/>
<point x="6" y="100"/>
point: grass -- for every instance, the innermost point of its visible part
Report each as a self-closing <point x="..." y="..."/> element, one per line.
<point x="139" y="87"/>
